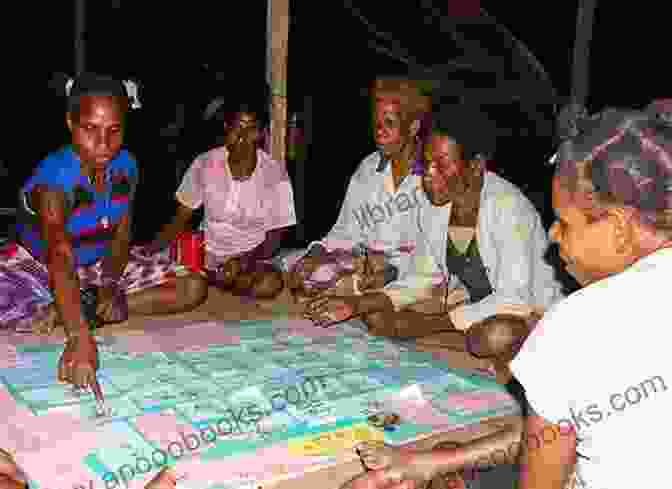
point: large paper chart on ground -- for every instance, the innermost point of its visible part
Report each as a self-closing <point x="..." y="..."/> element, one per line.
<point x="228" y="403"/>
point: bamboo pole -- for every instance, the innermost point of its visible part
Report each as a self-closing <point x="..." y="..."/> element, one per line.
<point x="277" y="37"/>
<point x="581" y="63"/>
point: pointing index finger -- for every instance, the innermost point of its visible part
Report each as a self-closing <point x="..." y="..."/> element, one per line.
<point x="97" y="391"/>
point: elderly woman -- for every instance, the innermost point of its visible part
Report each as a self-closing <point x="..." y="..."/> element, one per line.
<point x="611" y="195"/>
<point x="480" y="250"/>
<point x="384" y="195"/>
<point x="248" y="203"/>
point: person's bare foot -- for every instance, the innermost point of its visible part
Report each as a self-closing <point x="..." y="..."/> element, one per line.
<point x="448" y="480"/>
<point x="7" y="482"/>
<point x="47" y="324"/>
<point x="378" y="479"/>
<point x="398" y="463"/>
<point x="9" y="472"/>
<point x="165" y="479"/>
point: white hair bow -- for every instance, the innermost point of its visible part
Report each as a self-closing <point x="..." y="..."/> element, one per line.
<point x="131" y="91"/>
<point x="68" y="86"/>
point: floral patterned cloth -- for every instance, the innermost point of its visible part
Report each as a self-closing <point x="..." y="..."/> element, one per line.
<point x="24" y="282"/>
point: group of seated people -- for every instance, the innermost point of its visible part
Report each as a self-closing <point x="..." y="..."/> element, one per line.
<point x="428" y="242"/>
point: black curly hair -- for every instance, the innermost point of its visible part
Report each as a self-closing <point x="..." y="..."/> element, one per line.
<point x="95" y="84"/>
<point x="468" y="126"/>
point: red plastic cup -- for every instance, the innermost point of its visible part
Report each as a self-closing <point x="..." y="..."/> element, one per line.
<point x="188" y="250"/>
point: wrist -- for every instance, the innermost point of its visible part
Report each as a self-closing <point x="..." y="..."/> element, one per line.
<point x="81" y="330"/>
<point x="360" y="305"/>
<point x="369" y="303"/>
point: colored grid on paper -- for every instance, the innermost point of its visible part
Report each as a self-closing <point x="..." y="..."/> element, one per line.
<point x="202" y="386"/>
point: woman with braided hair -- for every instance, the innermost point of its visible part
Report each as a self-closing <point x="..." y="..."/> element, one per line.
<point x="612" y="194"/>
<point x="612" y="198"/>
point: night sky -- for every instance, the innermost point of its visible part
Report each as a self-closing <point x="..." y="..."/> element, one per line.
<point x="177" y="49"/>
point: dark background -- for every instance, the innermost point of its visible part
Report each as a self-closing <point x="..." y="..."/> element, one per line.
<point x="176" y="51"/>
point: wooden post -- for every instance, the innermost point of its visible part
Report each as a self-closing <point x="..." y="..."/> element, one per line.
<point x="80" y="33"/>
<point x="584" y="34"/>
<point x="276" y="74"/>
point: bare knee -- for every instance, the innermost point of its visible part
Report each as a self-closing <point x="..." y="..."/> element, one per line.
<point x="498" y="336"/>
<point x="193" y="289"/>
<point x="268" y="285"/>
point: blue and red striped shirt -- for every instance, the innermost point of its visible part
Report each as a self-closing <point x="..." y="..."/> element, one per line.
<point x="91" y="216"/>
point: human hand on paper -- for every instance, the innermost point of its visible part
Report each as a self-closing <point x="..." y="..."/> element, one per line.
<point x="79" y="362"/>
<point x="303" y="269"/>
<point x="330" y="309"/>
<point x="165" y="479"/>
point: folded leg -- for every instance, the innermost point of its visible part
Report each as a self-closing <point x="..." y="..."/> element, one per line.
<point x="262" y="282"/>
<point x="153" y="286"/>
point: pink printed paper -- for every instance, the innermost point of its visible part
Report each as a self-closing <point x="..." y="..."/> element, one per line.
<point x="476" y="401"/>
<point x="164" y="428"/>
<point x="55" y="467"/>
<point x="261" y="466"/>
<point x="9" y="408"/>
<point x="193" y="337"/>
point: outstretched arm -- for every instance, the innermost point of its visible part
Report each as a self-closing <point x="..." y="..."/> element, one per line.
<point x="60" y="259"/>
<point x="544" y="464"/>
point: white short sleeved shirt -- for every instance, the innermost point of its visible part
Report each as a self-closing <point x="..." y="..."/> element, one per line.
<point x="600" y="360"/>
